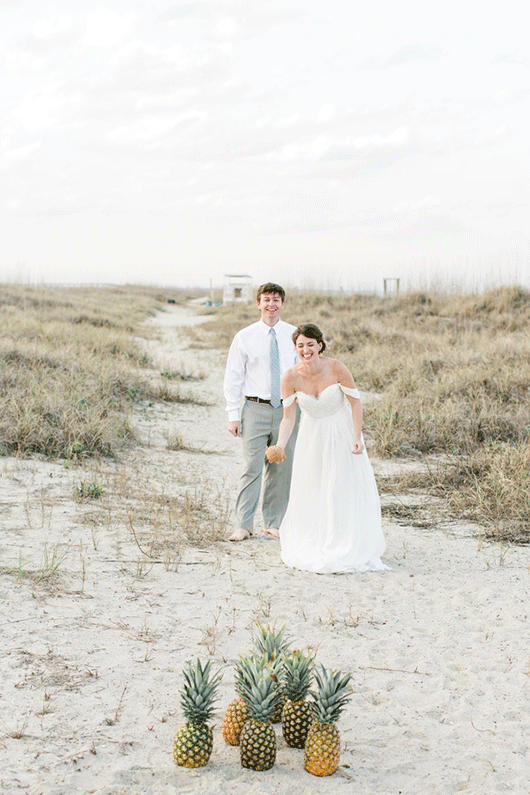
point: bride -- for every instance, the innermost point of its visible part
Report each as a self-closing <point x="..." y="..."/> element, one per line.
<point x="333" y="520"/>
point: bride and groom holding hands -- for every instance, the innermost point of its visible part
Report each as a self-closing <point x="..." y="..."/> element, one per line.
<point x="319" y="493"/>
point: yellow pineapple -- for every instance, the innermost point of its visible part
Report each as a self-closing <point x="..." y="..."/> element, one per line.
<point x="234" y="719"/>
<point x="322" y="746"/>
<point x="193" y="741"/>
<point x="236" y="713"/>
<point x="258" y="738"/>
<point x="297" y="713"/>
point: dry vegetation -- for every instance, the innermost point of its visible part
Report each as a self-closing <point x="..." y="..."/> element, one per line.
<point x="70" y="368"/>
<point x="73" y="375"/>
<point x="450" y="381"/>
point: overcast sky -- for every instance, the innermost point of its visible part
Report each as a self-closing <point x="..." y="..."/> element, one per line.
<point x="313" y="143"/>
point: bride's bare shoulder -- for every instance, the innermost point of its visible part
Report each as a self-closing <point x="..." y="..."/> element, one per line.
<point x="342" y="373"/>
<point x="291" y="379"/>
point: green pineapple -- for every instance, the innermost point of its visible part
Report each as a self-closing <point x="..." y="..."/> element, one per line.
<point x="322" y="746"/>
<point x="297" y="714"/>
<point x="274" y="645"/>
<point x="258" y="739"/>
<point x="193" y="741"/>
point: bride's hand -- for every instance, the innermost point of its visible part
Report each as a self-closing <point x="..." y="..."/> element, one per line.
<point x="358" y="447"/>
<point x="275" y="454"/>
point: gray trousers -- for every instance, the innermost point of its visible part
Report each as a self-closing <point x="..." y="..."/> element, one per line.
<point x="259" y="429"/>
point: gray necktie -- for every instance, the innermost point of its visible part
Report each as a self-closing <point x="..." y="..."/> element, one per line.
<point x="276" y="391"/>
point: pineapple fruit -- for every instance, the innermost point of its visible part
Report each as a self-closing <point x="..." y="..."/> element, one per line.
<point x="258" y="738"/>
<point x="193" y="741"/>
<point x="236" y="713"/>
<point x="297" y="713"/>
<point x="235" y="717"/>
<point x="274" y="645"/>
<point x="322" y="746"/>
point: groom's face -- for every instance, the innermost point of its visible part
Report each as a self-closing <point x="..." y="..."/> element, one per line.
<point x="270" y="305"/>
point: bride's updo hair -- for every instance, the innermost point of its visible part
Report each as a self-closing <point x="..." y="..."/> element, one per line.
<point x="310" y="331"/>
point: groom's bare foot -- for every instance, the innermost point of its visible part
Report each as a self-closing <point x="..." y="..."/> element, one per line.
<point x="272" y="531"/>
<point x="239" y="535"/>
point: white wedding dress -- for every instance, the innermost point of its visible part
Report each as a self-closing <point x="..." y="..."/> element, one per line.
<point x="333" y="520"/>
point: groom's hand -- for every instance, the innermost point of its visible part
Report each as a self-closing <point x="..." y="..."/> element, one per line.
<point x="235" y="427"/>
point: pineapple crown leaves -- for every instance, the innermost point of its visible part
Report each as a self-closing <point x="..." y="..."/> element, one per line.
<point x="296" y="674"/>
<point x="199" y="692"/>
<point x="332" y="694"/>
<point x="258" y="689"/>
<point x="273" y="643"/>
<point x="247" y="669"/>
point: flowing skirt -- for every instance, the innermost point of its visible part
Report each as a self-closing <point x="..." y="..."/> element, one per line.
<point x="333" y="520"/>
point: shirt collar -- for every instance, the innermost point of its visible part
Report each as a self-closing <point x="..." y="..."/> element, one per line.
<point x="265" y="328"/>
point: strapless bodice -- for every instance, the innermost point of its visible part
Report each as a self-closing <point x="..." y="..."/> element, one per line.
<point x="330" y="400"/>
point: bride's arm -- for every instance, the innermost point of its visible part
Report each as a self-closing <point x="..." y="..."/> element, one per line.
<point x="345" y="378"/>
<point x="286" y="425"/>
<point x="357" y="414"/>
<point x="276" y="453"/>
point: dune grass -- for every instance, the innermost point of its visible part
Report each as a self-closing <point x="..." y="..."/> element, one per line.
<point x="70" y="367"/>
<point x="447" y="380"/>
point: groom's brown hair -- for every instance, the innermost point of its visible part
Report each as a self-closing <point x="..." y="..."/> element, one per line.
<point x="270" y="288"/>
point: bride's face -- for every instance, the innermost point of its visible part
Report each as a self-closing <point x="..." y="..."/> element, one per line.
<point x="307" y="348"/>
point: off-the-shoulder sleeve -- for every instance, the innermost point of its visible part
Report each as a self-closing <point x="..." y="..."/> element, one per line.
<point x="349" y="391"/>
<point x="287" y="401"/>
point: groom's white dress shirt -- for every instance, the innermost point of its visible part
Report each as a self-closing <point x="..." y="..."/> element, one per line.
<point x="248" y="365"/>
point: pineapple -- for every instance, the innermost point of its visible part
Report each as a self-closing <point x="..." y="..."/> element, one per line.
<point x="322" y="746"/>
<point x="274" y="645"/>
<point x="297" y="714"/>
<point x="235" y="717"/>
<point x="258" y="739"/>
<point x="193" y="741"/>
<point x="236" y="713"/>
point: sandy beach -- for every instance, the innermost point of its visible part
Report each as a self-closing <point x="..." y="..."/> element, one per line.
<point x="95" y="632"/>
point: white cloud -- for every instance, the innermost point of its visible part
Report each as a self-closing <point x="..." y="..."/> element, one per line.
<point x="106" y="28"/>
<point x="492" y="136"/>
<point x="372" y="151"/>
<point x="413" y="53"/>
<point x="283" y="123"/>
<point x="225" y="28"/>
<point x="38" y="112"/>
<point x="144" y="62"/>
<point x="44" y="29"/>
<point x="397" y="138"/>
<point x="420" y="204"/>
<point x="153" y="128"/>
<point x="326" y="113"/>
<point x="309" y="150"/>
<point x="174" y="14"/>
<point x="13" y="156"/>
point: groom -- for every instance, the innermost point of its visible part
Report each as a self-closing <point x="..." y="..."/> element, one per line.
<point x="259" y="356"/>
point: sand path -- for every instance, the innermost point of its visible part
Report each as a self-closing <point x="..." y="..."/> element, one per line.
<point x="92" y="654"/>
